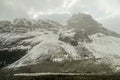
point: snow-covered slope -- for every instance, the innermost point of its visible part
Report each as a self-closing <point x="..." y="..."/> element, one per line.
<point x="16" y="36"/>
<point x="105" y="48"/>
<point x="50" y="48"/>
<point x="104" y="45"/>
<point x="49" y="41"/>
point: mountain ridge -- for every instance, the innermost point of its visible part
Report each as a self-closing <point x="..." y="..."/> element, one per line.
<point x="82" y="39"/>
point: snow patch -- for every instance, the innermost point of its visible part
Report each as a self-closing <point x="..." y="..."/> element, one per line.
<point x="105" y="47"/>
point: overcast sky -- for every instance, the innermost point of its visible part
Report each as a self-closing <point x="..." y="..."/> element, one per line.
<point x="106" y="12"/>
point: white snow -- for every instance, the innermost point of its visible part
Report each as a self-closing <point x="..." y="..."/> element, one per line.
<point x="49" y="47"/>
<point x="106" y="47"/>
<point x="69" y="33"/>
<point x="44" y="74"/>
<point x="71" y="50"/>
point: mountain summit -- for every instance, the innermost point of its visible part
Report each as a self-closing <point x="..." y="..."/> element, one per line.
<point x="89" y="25"/>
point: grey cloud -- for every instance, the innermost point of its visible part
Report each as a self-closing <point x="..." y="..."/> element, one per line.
<point x="10" y="9"/>
<point x="58" y="9"/>
<point x="112" y="23"/>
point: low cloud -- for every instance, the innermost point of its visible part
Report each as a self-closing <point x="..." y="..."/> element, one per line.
<point x="105" y="11"/>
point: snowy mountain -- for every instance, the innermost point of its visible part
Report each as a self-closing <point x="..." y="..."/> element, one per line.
<point x="82" y="44"/>
<point x="13" y="35"/>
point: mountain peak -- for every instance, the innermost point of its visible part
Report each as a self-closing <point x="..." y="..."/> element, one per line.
<point x="84" y="21"/>
<point x="89" y="25"/>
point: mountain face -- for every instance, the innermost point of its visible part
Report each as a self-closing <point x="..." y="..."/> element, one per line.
<point x="89" y="25"/>
<point x="13" y="36"/>
<point x="85" y="46"/>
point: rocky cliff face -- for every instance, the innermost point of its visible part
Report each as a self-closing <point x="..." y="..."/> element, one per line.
<point x="89" y="25"/>
<point x="84" y="42"/>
